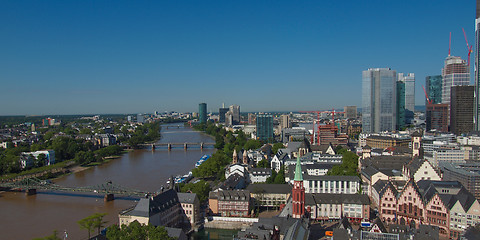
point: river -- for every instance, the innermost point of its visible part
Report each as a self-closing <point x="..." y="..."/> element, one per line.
<point x="27" y="217"/>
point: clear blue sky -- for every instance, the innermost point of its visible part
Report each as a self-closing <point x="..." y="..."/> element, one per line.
<point x="81" y="57"/>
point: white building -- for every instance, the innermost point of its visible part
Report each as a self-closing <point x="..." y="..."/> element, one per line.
<point x="27" y="158"/>
<point x="331" y="184"/>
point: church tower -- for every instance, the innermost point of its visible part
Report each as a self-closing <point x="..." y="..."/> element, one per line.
<point x="416" y="144"/>
<point x="235" y="157"/>
<point x="298" y="192"/>
<point x="245" y="157"/>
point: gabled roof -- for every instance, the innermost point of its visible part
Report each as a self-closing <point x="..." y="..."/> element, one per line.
<point x="344" y="224"/>
<point x="388" y="185"/>
<point x="412" y="183"/>
<point x="380" y="225"/>
<point x="369" y="171"/>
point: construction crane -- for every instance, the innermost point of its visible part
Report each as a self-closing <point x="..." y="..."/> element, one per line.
<point x="333" y="114"/>
<point x="469" y="47"/>
<point x="426" y="96"/>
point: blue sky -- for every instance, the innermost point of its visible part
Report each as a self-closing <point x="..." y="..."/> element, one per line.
<point x="82" y="57"/>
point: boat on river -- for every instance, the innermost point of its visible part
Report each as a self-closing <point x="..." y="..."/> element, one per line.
<point x="202" y="160"/>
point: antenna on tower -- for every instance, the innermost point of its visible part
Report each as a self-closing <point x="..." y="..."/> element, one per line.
<point x="449" y="43"/>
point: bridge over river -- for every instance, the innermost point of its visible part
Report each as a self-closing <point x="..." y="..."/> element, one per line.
<point x="185" y="145"/>
<point x="109" y="189"/>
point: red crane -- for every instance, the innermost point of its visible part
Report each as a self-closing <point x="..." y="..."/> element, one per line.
<point x="333" y="114"/>
<point x="469" y="47"/>
<point x="426" y="96"/>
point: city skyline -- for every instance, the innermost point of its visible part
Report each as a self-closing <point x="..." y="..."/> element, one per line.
<point x="95" y="57"/>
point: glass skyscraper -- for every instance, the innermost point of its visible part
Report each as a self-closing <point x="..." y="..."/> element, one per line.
<point x="379" y="108"/>
<point x="409" y="95"/>
<point x="265" y="127"/>
<point x="202" y="112"/>
<point x="400" y="104"/>
<point x="433" y="87"/>
<point x="455" y="73"/>
<point x="476" y="114"/>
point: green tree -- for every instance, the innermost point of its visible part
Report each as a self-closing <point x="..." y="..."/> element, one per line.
<point x="88" y="224"/>
<point x="277" y="146"/>
<point x="263" y="164"/>
<point x="201" y="188"/>
<point x="137" y="231"/>
<point x="252" y="144"/>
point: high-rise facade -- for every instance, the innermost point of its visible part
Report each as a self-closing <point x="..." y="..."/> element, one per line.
<point x="433" y="87"/>
<point x="477" y="70"/>
<point x="221" y="113"/>
<point x="202" y="112"/>
<point x="400" y="104"/>
<point x="285" y="121"/>
<point x="437" y="117"/>
<point x="455" y="73"/>
<point x="461" y="109"/>
<point x="265" y="127"/>
<point x="235" y="110"/>
<point x="409" y="96"/>
<point x="379" y="108"/>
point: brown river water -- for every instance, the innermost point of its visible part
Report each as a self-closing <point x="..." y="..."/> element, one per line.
<point x="27" y="217"/>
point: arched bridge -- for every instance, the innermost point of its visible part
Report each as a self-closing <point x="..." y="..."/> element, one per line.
<point x="30" y="185"/>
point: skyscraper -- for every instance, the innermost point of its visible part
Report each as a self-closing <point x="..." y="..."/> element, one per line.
<point x="285" y="121"/>
<point x="437" y="117"/>
<point x="265" y="127"/>
<point x="202" y="112"/>
<point x="409" y="95"/>
<point x="455" y="73"/>
<point x="235" y="110"/>
<point x="221" y="113"/>
<point x="461" y="109"/>
<point x="477" y="70"/>
<point x="379" y="100"/>
<point x="433" y="87"/>
<point x="400" y="104"/>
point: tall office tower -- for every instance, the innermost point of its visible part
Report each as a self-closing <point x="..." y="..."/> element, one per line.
<point x="221" y="113"/>
<point x="350" y="112"/>
<point x="202" y="112"/>
<point x="286" y="122"/>
<point x="235" y="110"/>
<point x="477" y="70"/>
<point x="379" y="100"/>
<point x="409" y="81"/>
<point x="400" y="104"/>
<point x="433" y="87"/>
<point x="461" y="109"/>
<point x="265" y="127"/>
<point x="455" y="73"/>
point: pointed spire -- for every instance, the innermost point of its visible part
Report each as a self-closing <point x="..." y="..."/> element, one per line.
<point x="298" y="171"/>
